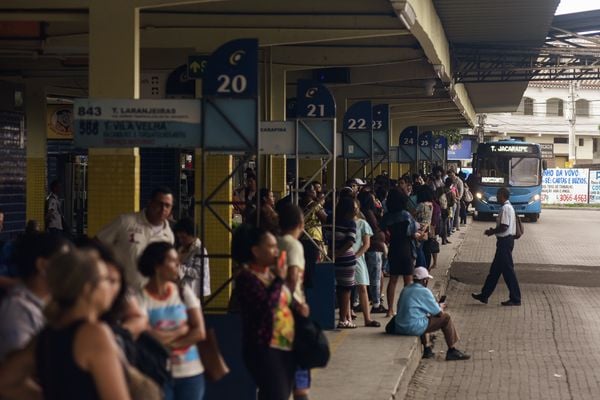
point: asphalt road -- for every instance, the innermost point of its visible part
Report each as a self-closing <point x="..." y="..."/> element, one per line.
<point x="545" y="349"/>
<point x="563" y="247"/>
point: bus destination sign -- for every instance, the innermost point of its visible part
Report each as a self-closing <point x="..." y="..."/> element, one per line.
<point x="505" y="148"/>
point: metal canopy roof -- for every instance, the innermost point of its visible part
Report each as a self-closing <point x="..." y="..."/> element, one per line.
<point x="488" y="23"/>
<point x="388" y="62"/>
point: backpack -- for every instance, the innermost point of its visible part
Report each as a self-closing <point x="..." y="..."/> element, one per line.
<point x="520" y="230"/>
<point x="467" y="195"/>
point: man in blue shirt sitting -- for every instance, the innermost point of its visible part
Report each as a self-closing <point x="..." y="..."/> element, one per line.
<point x="419" y="314"/>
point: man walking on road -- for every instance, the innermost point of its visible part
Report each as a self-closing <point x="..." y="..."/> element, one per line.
<point x="506" y="228"/>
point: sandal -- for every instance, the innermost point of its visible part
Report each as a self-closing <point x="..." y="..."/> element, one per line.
<point x="372" y="324"/>
<point x="346" y="325"/>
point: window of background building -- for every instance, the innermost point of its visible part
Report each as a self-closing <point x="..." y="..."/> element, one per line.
<point x="582" y="108"/>
<point x="561" y="140"/>
<point x="525" y="106"/>
<point x="581" y="142"/>
<point x="595" y="145"/>
<point x="554" y="107"/>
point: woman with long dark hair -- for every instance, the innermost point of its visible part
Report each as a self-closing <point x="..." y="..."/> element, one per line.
<point x="76" y="355"/>
<point x="404" y="231"/>
<point x="265" y="304"/>
<point x="176" y="320"/>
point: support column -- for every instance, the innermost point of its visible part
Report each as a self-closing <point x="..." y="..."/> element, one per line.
<point x="216" y="237"/>
<point x="35" y="114"/>
<point x="114" y="174"/>
<point x="276" y="112"/>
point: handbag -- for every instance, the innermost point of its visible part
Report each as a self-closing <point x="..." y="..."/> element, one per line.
<point x="434" y="245"/>
<point x="215" y="367"/>
<point x="140" y="386"/>
<point x="311" y="348"/>
<point x="520" y="229"/>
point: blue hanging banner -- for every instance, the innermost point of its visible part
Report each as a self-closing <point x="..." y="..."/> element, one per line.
<point x="232" y="70"/>
<point x="230" y="98"/>
<point x="440" y="145"/>
<point x="381" y="129"/>
<point x="314" y="100"/>
<point x="358" y="131"/>
<point x="425" y="145"/>
<point x="179" y="85"/>
<point x="407" y="150"/>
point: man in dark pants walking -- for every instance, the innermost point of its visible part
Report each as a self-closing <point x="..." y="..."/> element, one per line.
<point x="505" y="230"/>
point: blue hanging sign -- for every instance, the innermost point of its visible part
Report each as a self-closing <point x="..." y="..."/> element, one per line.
<point x="359" y="117"/>
<point x="179" y="84"/>
<point x="381" y="117"/>
<point x="232" y="70"/>
<point x="196" y="66"/>
<point x="425" y="145"/>
<point x="314" y="100"/>
<point x="381" y="129"/>
<point x="440" y="144"/>
<point x="358" y="131"/>
<point x="407" y="150"/>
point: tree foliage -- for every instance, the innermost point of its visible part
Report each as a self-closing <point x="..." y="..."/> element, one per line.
<point x="452" y="135"/>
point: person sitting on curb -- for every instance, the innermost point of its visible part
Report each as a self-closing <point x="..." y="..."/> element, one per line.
<point x="419" y="314"/>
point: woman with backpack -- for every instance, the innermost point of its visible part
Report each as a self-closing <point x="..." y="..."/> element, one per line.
<point x="175" y="318"/>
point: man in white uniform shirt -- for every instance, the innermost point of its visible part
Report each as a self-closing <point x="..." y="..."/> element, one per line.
<point x="129" y="234"/>
<point x="505" y="230"/>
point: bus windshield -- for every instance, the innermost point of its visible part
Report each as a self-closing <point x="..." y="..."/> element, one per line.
<point x="507" y="170"/>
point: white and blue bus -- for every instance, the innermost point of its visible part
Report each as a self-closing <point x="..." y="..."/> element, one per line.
<point x="515" y="165"/>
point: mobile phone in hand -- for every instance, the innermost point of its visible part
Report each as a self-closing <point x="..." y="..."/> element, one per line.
<point x="442" y="299"/>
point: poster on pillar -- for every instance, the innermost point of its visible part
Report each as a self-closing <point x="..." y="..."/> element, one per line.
<point x="137" y="123"/>
<point x="357" y="136"/>
<point x="425" y="145"/>
<point x="407" y="149"/>
<point x="315" y="119"/>
<point x="230" y="98"/>
<point x="381" y="129"/>
<point x="59" y="121"/>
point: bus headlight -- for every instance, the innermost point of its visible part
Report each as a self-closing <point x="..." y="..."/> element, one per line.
<point x="536" y="197"/>
<point x="479" y="195"/>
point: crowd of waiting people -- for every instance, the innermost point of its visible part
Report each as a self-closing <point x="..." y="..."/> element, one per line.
<point x="119" y="316"/>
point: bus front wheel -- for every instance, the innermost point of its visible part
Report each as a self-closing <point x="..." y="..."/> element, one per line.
<point x="482" y="216"/>
<point x="534" y="217"/>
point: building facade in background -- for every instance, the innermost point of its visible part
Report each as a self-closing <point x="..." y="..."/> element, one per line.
<point x="543" y="117"/>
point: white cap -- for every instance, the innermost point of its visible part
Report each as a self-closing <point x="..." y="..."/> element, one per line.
<point x="359" y="182"/>
<point x="421" y="273"/>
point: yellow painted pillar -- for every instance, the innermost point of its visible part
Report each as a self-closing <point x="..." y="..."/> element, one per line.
<point x="217" y="239"/>
<point x="113" y="174"/>
<point x="308" y="167"/>
<point x="35" y="114"/>
<point x="339" y="178"/>
<point x="276" y="112"/>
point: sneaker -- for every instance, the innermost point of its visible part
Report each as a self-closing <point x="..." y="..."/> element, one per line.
<point x="456" y="355"/>
<point x="510" y="303"/>
<point x="479" y="297"/>
<point x="428" y="352"/>
<point x="380" y="309"/>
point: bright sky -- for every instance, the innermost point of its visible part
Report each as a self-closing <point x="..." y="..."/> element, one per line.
<point x="573" y="6"/>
